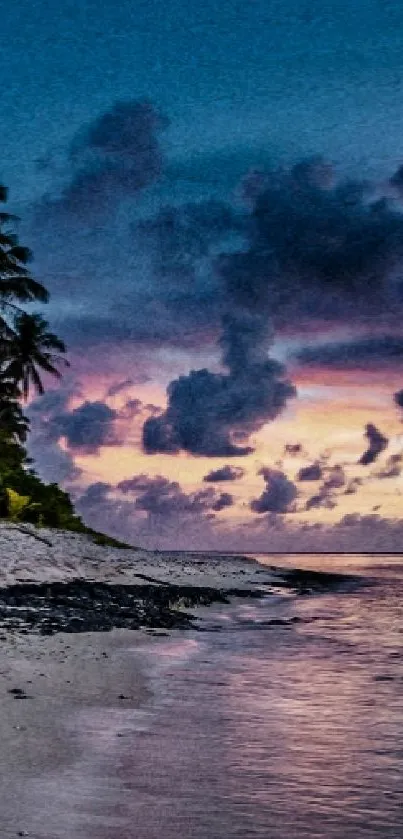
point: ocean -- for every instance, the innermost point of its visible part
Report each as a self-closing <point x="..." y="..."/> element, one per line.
<point x="282" y="718"/>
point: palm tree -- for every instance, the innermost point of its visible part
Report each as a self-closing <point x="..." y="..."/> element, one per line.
<point x="27" y="347"/>
<point x="16" y="284"/>
<point x="30" y="349"/>
<point x="14" y="425"/>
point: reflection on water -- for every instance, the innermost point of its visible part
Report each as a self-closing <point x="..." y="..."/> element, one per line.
<point x="294" y="730"/>
<point x="283" y="731"/>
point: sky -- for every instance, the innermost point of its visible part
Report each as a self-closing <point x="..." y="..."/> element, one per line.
<point x="213" y="195"/>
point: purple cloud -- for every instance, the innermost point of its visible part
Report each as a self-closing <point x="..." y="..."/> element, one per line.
<point x="278" y="495"/>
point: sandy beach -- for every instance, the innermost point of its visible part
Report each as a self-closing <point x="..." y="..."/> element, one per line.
<point x="49" y="680"/>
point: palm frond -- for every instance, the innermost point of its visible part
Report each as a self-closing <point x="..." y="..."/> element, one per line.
<point x="20" y="253"/>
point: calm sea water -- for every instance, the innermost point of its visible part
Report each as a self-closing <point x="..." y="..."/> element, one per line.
<point x="268" y="731"/>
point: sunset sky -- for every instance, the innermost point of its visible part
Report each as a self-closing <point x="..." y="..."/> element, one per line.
<point x="214" y="197"/>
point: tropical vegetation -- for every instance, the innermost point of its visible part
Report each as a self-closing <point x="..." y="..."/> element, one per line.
<point x="28" y="351"/>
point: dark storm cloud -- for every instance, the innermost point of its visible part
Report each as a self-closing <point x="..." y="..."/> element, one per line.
<point x="318" y="249"/>
<point x="180" y="237"/>
<point x="278" y="495"/>
<point x="376" y="444"/>
<point x="181" y="243"/>
<point x="313" y="472"/>
<point x="225" y="473"/>
<point x="87" y="427"/>
<point x="364" y="353"/>
<point x="160" y="497"/>
<point x="205" y="409"/>
<point x="311" y="247"/>
<point x="114" y="157"/>
<point x="163" y="270"/>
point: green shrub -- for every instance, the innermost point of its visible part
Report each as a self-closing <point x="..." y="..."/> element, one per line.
<point x="18" y="504"/>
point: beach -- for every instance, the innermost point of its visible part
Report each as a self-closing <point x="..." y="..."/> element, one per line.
<point x="48" y="677"/>
<point x="44" y="681"/>
<point x="259" y="715"/>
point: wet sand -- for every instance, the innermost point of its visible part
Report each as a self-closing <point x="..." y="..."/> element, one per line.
<point x="45" y="682"/>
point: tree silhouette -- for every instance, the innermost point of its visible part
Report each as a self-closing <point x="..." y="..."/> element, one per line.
<point x="29" y="350"/>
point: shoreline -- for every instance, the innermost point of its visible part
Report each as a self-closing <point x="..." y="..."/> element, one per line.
<point x="59" y="681"/>
<point x="54" y="682"/>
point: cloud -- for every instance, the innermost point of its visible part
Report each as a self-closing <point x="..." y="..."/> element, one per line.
<point x="313" y="247"/>
<point x="225" y="499"/>
<point x="335" y="479"/>
<point x="180" y="238"/>
<point x="125" y="384"/>
<point x="318" y="249"/>
<point x="87" y="427"/>
<point x="105" y="510"/>
<point x="132" y="408"/>
<point x="83" y="429"/>
<point x="278" y="495"/>
<point x="392" y="468"/>
<point x="353" y="486"/>
<point x="322" y="499"/>
<point x="310" y="473"/>
<point x="95" y="493"/>
<point x="59" y="432"/>
<point x="293" y="449"/>
<point x="353" y="533"/>
<point x="169" y="292"/>
<point x="396" y="181"/>
<point x="225" y="473"/>
<point x="52" y="463"/>
<point x="206" y="410"/>
<point x="376" y="444"/>
<point x="158" y="496"/>
<point x="115" y="157"/>
<point x="398" y="398"/>
<point x="364" y="353"/>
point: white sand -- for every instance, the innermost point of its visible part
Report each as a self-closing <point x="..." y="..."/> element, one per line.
<point x="31" y="554"/>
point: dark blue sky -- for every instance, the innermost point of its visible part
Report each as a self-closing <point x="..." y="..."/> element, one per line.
<point x="291" y="76"/>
